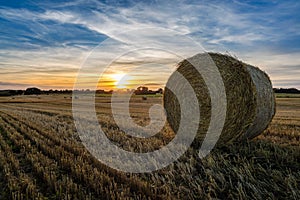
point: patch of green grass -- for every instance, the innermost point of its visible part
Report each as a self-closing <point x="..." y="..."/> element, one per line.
<point x="286" y="95"/>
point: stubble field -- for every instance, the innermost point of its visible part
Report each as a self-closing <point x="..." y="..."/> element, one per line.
<point x="41" y="157"/>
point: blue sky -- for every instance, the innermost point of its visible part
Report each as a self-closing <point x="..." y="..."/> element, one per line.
<point x="43" y="43"/>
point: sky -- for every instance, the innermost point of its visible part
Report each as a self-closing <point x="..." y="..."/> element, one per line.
<point x="45" y="43"/>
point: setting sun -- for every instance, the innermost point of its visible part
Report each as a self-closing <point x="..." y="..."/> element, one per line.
<point x="121" y="80"/>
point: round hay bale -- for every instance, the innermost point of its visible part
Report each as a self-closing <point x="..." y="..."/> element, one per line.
<point x="249" y="94"/>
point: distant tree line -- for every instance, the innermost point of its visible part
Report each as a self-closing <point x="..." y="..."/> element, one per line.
<point x="104" y="92"/>
<point x="37" y="91"/>
<point x="4" y="93"/>
<point x="139" y="91"/>
<point x="32" y="91"/>
<point x="287" y="90"/>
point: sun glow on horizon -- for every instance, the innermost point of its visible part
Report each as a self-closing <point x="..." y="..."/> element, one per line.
<point x="129" y="80"/>
<point x="121" y="80"/>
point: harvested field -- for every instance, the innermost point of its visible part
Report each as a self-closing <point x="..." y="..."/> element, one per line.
<point x="41" y="157"/>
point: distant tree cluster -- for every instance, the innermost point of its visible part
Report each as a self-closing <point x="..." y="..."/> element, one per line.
<point x="31" y="91"/>
<point x="145" y="90"/>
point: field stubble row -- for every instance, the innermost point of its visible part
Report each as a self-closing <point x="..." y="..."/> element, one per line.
<point x="54" y="164"/>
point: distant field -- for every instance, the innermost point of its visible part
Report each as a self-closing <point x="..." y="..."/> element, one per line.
<point x="285" y="95"/>
<point x="41" y="157"/>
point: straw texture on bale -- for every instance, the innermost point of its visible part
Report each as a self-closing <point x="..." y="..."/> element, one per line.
<point x="249" y="94"/>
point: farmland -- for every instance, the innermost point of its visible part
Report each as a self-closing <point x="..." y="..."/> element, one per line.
<point x="41" y="157"/>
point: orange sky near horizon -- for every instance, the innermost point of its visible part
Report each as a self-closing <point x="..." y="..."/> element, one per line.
<point x="110" y="80"/>
<point x="46" y="83"/>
